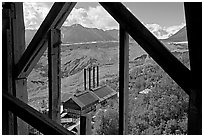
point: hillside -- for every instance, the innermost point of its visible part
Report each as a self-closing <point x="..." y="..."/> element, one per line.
<point x="76" y="57"/>
<point x="180" y="36"/>
<point x="114" y="33"/>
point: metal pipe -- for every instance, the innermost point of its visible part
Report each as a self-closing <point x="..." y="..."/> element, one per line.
<point x="89" y="77"/>
<point x="97" y="76"/>
<point x="93" y="76"/>
<point x="84" y="79"/>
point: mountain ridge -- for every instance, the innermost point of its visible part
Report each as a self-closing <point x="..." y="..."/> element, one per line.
<point x="179" y="36"/>
<point x="77" y="33"/>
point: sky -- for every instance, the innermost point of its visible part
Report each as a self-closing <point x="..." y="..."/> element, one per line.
<point x="163" y="13"/>
<point x="162" y="19"/>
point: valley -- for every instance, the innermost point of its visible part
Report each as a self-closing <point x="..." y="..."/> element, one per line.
<point x="85" y="47"/>
<point x="76" y="57"/>
<point x="153" y="95"/>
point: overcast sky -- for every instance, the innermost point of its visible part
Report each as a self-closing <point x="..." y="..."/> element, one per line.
<point x="155" y="16"/>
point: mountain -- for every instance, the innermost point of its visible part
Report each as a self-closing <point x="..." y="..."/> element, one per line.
<point x="114" y="33"/>
<point x="180" y="36"/>
<point x="157" y="30"/>
<point x="77" y="34"/>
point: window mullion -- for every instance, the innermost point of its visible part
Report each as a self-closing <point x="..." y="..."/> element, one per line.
<point x="123" y="81"/>
<point x="54" y="74"/>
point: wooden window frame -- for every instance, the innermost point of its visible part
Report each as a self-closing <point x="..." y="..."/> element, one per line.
<point x="128" y="25"/>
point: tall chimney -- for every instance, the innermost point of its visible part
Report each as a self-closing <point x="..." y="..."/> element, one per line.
<point x="93" y="76"/>
<point x="89" y="77"/>
<point x="97" y="76"/>
<point x="84" y="79"/>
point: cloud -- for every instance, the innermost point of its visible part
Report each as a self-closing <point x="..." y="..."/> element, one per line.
<point x="174" y="29"/>
<point x="93" y="17"/>
<point x="163" y="32"/>
<point x="34" y="13"/>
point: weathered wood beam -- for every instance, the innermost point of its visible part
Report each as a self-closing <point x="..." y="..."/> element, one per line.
<point x="14" y="46"/>
<point x="193" y="14"/>
<point x="33" y="117"/>
<point x="82" y="125"/>
<point x="123" y="81"/>
<point x="54" y="74"/>
<point x="174" y="68"/>
<point x="18" y="32"/>
<point x="38" y="45"/>
<point x="8" y="124"/>
<point x="85" y="124"/>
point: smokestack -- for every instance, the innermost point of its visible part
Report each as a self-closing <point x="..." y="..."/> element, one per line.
<point x="84" y="79"/>
<point x="89" y="77"/>
<point x="93" y="76"/>
<point x="97" y="76"/>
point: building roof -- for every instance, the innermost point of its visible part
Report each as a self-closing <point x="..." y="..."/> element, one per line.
<point x="104" y="92"/>
<point x="85" y="99"/>
<point x="81" y="100"/>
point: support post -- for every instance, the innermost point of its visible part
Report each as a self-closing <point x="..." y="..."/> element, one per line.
<point x="14" y="44"/>
<point x="85" y="124"/>
<point x="19" y="48"/>
<point x="54" y="74"/>
<point x="82" y="125"/>
<point x="7" y="56"/>
<point x="193" y="14"/>
<point x="123" y="81"/>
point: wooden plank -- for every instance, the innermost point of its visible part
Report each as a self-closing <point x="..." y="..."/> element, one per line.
<point x="7" y="67"/>
<point x="54" y="74"/>
<point x="18" y="32"/>
<point x="38" y="44"/>
<point x="193" y="14"/>
<point x="123" y="81"/>
<point x="174" y="68"/>
<point x="33" y="117"/>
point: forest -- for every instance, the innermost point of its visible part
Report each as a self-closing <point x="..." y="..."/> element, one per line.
<point x="161" y="111"/>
